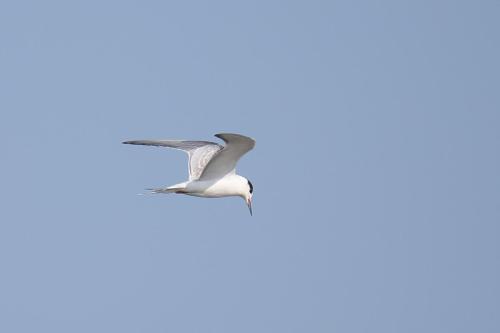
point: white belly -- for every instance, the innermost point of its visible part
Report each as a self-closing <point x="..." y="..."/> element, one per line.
<point x="210" y="189"/>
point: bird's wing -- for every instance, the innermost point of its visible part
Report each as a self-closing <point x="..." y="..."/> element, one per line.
<point x="199" y="152"/>
<point x="224" y="162"/>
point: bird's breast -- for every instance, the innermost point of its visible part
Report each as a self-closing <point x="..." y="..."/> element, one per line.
<point x="213" y="189"/>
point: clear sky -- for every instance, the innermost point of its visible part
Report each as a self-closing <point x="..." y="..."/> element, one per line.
<point x="376" y="169"/>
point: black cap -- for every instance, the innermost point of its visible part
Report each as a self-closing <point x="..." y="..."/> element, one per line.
<point x="251" y="186"/>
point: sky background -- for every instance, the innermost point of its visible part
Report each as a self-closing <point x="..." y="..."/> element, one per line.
<point x="376" y="169"/>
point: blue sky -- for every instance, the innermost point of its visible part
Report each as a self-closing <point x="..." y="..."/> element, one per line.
<point x="377" y="192"/>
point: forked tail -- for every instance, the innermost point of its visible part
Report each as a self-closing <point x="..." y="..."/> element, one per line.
<point x="159" y="190"/>
<point x="170" y="189"/>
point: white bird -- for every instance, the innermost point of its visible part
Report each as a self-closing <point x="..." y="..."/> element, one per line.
<point x="212" y="167"/>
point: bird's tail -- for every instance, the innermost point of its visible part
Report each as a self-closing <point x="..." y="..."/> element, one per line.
<point x="162" y="190"/>
<point x="178" y="188"/>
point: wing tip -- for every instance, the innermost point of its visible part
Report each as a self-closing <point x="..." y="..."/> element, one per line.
<point x="133" y="142"/>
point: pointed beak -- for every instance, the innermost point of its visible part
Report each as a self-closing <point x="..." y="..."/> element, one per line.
<point x="249" y="203"/>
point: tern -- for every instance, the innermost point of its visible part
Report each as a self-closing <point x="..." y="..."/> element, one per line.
<point x="211" y="166"/>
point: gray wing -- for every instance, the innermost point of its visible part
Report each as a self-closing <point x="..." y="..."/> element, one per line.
<point x="200" y="152"/>
<point x="224" y="162"/>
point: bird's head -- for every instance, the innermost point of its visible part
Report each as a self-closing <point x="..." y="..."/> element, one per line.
<point x="248" y="195"/>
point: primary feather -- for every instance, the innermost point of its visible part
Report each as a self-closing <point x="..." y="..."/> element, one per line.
<point x="199" y="152"/>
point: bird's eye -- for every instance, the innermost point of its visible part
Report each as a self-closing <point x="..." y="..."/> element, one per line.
<point x="250" y="185"/>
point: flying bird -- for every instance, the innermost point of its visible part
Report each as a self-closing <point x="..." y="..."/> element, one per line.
<point x="211" y="166"/>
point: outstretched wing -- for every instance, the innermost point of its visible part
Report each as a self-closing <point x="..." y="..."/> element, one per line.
<point x="224" y="162"/>
<point x="200" y="152"/>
